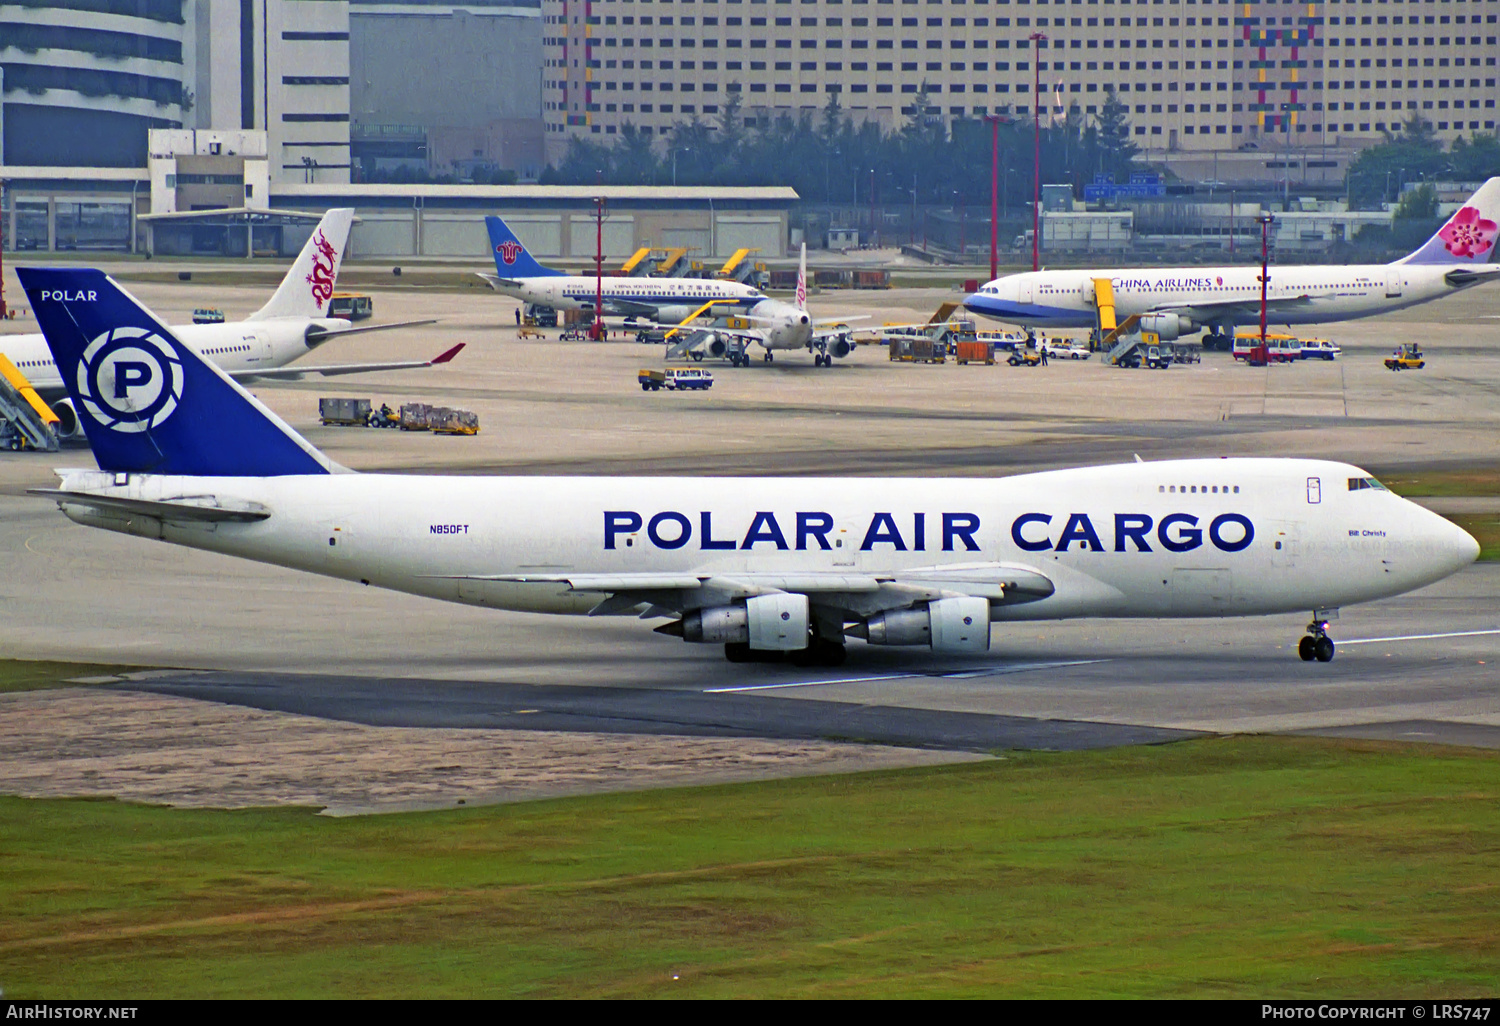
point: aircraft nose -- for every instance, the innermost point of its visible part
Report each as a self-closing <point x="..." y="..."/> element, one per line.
<point x="1453" y="547"/>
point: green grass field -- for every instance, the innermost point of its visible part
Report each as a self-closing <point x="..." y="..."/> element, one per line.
<point x="30" y="675"/>
<point x="1414" y="484"/>
<point x="1232" y="867"/>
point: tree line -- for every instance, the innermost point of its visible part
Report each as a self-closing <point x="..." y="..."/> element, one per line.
<point x="828" y="157"/>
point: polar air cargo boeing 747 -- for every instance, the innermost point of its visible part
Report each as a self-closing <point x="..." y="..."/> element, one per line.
<point x="783" y="565"/>
<point x="291" y="325"/>
<point x="1179" y="301"/>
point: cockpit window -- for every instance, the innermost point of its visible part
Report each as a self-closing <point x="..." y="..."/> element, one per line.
<point x="1357" y="483"/>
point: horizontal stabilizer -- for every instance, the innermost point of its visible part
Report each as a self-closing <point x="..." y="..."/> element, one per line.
<point x="202" y="509"/>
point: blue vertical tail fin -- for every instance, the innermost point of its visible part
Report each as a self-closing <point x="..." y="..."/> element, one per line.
<point x="512" y="260"/>
<point x="148" y="403"/>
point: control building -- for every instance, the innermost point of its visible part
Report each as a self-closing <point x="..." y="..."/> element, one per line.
<point x="1197" y="74"/>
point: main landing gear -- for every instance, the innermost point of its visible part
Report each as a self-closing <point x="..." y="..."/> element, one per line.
<point x="1317" y="644"/>
<point x="770" y="357"/>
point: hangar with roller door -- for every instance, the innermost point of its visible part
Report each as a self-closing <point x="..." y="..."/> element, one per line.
<point x="554" y="221"/>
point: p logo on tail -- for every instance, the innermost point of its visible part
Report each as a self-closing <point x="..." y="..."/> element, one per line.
<point x="149" y="403"/>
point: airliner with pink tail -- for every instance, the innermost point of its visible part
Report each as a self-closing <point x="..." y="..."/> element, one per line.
<point x="1179" y="301"/>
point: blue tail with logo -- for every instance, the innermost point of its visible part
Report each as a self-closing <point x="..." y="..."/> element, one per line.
<point x="148" y="403"/>
<point x="511" y="257"/>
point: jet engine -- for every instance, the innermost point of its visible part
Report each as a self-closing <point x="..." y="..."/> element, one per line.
<point x="68" y="424"/>
<point x="955" y="625"/>
<point x="714" y="345"/>
<point x="840" y="347"/>
<point x="1168" y="326"/>
<point x="673" y="314"/>
<point x="779" y="622"/>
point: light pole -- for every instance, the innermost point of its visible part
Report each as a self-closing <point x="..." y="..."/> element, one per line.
<point x="675" y="151"/>
<point x="599" y="269"/>
<point x="914" y="207"/>
<point x="1037" y="39"/>
<point x="994" y="120"/>
<point x="1265" y="220"/>
<point x="874" y="235"/>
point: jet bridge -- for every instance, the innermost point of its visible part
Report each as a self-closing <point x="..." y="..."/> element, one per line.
<point x="24" y="419"/>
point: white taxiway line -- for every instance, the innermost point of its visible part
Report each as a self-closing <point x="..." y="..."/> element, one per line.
<point x="1414" y="637"/>
<point x="988" y="671"/>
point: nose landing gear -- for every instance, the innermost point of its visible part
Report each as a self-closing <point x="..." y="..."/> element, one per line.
<point x="1317" y="644"/>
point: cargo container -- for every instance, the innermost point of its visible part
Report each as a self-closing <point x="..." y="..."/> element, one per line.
<point x="783" y="279"/>
<point x="974" y="352"/>
<point x="416" y="416"/>
<point x="872" y="279"/>
<point x="453" y="422"/>
<point x="917" y="349"/>
<point x="344" y="412"/>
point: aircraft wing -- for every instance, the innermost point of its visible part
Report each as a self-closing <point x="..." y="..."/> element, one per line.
<point x="497" y="282"/>
<point x="323" y="334"/>
<point x="202" y="509"/>
<point x="1206" y="312"/>
<point x="296" y="373"/>
<point x="864" y="594"/>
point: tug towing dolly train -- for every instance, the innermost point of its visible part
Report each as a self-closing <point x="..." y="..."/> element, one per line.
<point x="783" y="567"/>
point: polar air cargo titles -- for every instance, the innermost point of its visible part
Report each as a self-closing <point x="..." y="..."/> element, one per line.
<point x="519" y="274"/>
<point x="291" y="325"/>
<point x="1179" y="301"/>
<point x="766" y="565"/>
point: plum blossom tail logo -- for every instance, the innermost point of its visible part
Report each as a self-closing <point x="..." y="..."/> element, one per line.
<point x="130" y="379"/>
<point x="321" y="278"/>
<point x="1469" y="234"/>
<point x="509" y="250"/>
<point x="801" y="289"/>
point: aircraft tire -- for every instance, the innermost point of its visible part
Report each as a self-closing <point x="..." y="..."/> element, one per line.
<point x="1323" y="649"/>
<point x="1305" y="648"/>
<point x="737" y="651"/>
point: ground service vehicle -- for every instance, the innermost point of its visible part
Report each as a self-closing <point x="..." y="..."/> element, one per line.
<point x="1279" y="348"/>
<point x="1025" y="358"/>
<point x="651" y="380"/>
<point x="1060" y="350"/>
<point x="1320" y="349"/>
<point x="683" y="379"/>
<point x="353" y="306"/>
<point x="1406" y="357"/>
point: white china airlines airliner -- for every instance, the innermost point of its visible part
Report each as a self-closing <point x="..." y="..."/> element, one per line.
<point x="291" y="325"/>
<point x="760" y="565"/>
<point x="1179" y="301"/>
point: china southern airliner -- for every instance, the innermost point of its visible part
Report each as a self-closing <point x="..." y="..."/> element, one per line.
<point x="1181" y="300"/>
<point x="767" y="567"/>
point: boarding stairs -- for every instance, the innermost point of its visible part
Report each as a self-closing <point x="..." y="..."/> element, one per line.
<point x="638" y="266"/>
<point x="741" y="268"/>
<point x="24" y="419"/>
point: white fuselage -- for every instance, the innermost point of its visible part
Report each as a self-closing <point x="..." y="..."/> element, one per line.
<point x="1177" y="538"/>
<point x="1066" y="299"/>
<point x="236" y="346"/>
<point x="782" y="325"/>
<point x="580" y="292"/>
